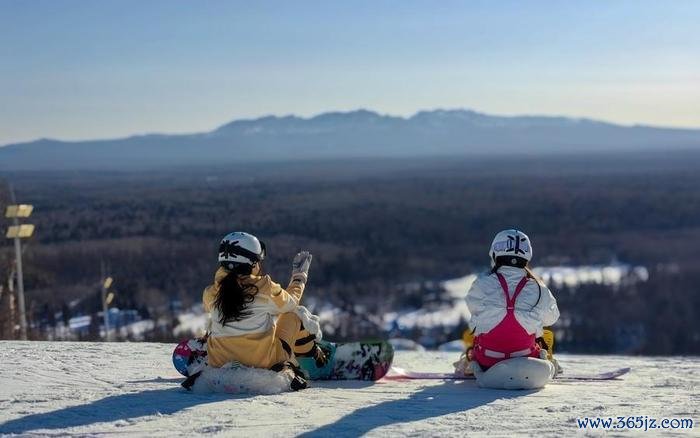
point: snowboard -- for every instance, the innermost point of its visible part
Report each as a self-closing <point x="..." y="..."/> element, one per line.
<point x="346" y="361"/>
<point x="190" y="356"/>
<point x="402" y="374"/>
<point x="350" y="361"/>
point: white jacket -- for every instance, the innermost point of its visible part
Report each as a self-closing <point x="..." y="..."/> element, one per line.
<point x="535" y="307"/>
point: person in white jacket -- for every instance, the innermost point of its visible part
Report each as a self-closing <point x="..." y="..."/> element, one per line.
<point x="509" y="305"/>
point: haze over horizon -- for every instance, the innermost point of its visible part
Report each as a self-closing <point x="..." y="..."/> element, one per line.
<point x="347" y="112"/>
<point x="80" y="71"/>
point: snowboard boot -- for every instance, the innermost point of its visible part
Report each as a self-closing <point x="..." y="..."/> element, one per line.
<point x="298" y="381"/>
<point x="462" y="366"/>
<point x="189" y="382"/>
<point x="306" y="345"/>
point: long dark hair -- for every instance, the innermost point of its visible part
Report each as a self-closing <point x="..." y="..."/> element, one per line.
<point x="232" y="297"/>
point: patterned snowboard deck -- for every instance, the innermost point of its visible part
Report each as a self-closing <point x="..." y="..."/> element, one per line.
<point x="351" y="361"/>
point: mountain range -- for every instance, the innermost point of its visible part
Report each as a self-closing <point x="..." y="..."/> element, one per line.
<point x="355" y="134"/>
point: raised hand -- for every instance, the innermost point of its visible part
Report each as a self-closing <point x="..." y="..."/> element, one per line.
<point x="301" y="264"/>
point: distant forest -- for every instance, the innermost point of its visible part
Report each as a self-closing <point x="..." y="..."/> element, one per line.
<point x="374" y="225"/>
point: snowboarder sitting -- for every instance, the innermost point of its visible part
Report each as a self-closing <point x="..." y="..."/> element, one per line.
<point x="243" y="304"/>
<point x="509" y="307"/>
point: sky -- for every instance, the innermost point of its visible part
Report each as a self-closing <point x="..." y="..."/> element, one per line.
<point x="102" y="69"/>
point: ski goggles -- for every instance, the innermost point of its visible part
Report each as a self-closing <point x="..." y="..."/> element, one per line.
<point x="229" y="250"/>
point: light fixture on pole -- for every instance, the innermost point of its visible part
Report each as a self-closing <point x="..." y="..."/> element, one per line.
<point x="18" y="232"/>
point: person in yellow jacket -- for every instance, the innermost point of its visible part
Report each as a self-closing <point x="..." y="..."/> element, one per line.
<point x="254" y="321"/>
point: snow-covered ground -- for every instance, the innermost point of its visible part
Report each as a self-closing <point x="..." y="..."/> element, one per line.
<point x="96" y="389"/>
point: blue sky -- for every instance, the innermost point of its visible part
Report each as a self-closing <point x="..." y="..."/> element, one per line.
<point x="97" y="69"/>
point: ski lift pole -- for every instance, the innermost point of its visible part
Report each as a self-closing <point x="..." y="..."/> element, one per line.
<point x="20" y="289"/>
<point x="17" y="232"/>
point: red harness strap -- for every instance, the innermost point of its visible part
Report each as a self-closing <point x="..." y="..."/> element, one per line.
<point x="508" y="338"/>
<point x="510" y="302"/>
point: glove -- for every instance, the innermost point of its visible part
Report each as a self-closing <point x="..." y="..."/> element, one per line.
<point x="300" y="265"/>
<point x="311" y="322"/>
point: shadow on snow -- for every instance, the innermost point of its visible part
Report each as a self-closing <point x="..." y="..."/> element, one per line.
<point x="114" y="408"/>
<point x="432" y="401"/>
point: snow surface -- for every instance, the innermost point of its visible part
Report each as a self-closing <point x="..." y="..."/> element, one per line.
<point x="131" y="389"/>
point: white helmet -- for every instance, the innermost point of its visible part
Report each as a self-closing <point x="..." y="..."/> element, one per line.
<point x="511" y="243"/>
<point x="239" y="247"/>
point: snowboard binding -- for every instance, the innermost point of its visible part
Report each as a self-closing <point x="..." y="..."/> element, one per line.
<point x="318" y="354"/>
<point x="298" y="381"/>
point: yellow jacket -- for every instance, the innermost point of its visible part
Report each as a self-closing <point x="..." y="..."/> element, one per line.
<point x="251" y="341"/>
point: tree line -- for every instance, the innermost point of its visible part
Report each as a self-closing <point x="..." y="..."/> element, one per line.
<point x="371" y="234"/>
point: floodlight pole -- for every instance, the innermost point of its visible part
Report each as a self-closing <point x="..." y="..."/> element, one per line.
<point x="20" y="289"/>
<point x="20" y="278"/>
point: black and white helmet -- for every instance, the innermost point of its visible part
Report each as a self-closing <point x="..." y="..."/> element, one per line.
<point x="511" y="243"/>
<point x="240" y="248"/>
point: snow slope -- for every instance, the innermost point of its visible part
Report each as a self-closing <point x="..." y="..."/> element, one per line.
<point x="131" y="389"/>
